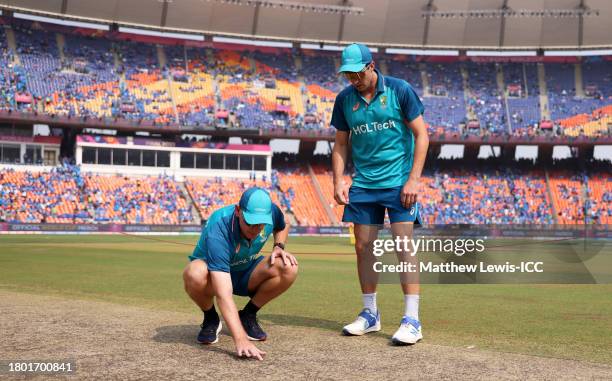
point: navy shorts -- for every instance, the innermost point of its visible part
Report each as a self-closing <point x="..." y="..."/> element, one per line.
<point x="367" y="207"/>
<point x="240" y="279"/>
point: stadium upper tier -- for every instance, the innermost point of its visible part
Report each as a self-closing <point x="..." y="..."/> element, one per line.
<point x="79" y="72"/>
<point x="448" y="196"/>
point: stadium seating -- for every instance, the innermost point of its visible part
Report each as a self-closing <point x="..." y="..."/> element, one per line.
<point x="524" y="112"/>
<point x="492" y="198"/>
<point x="51" y="197"/>
<point x="479" y="196"/>
<point x="93" y="60"/>
<point x="565" y="105"/>
<point x="430" y="199"/>
<point x="192" y="88"/>
<point x="568" y="197"/>
<point x="531" y="199"/>
<point x="446" y="106"/>
<point x="407" y="70"/>
<point x="524" y="107"/>
<point x="212" y="194"/>
<point x="599" y="203"/>
<point x="476" y="197"/>
<point x="278" y="63"/>
<point x="149" y="200"/>
<point x="593" y="125"/>
<point x="305" y="204"/>
<point x="64" y="195"/>
<point x="40" y="57"/>
<point x="485" y="99"/>
<point x="11" y="79"/>
<point x="109" y="75"/>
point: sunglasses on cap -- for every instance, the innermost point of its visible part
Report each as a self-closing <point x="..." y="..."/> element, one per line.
<point x="356" y="76"/>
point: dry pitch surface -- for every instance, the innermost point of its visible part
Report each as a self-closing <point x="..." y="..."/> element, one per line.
<point x="110" y="341"/>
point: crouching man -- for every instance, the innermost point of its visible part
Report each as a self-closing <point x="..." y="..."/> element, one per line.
<point x="227" y="261"/>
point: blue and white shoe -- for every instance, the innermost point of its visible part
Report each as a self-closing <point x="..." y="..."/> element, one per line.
<point x="365" y="322"/>
<point x="408" y="333"/>
<point x="209" y="332"/>
<point x="251" y="326"/>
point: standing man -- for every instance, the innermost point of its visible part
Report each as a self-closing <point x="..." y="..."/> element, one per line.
<point x="381" y="116"/>
<point x="227" y="261"/>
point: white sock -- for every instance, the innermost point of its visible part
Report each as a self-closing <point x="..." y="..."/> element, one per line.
<point x="412" y="306"/>
<point x="369" y="301"/>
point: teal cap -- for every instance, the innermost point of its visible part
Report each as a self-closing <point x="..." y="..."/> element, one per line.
<point x="355" y="57"/>
<point x="256" y="206"/>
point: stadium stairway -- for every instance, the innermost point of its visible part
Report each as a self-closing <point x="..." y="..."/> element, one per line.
<point x="525" y="83"/>
<point x="425" y="80"/>
<point x="544" y="109"/>
<point x="171" y="94"/>
<point x="467" y="93"/>
<point x="337" y="62"/>
<point x="383" y="66"/>
<point x="578" y="80"/>
<point x="12" y="44"/>
<point x="569" y="196"/>
<point x="598" y="187"/>
<point x="253" y="64"/>
<point x="195" y="212"/>
<point x="210" y="57"/>
<point x="289" y="215"/>
<point x="61" y="43"/>
<point x="550" y="197"/>
<point x="116" y="59"/>
<point x="297" y="59"/>
<point x="161" y="57"/>
<point x="586" y="195"/>
<point x="317" y="187"/>
<point x="502" y="90"/>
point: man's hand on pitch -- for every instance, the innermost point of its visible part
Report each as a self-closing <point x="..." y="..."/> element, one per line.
<point x="288" y="259"/>
<point x="245" y="348"/>
<point x="408" y="196"/>
<point x="341" y="193"/>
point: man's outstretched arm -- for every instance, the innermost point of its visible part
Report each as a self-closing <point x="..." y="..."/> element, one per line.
<point x="222" y="285"/>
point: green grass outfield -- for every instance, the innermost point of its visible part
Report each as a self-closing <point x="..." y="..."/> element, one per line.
<point x="565" y="321"/>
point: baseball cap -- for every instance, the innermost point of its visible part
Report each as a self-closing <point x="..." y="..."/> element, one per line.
<point x="355" y="57"/>
<point x="256" y="206"/>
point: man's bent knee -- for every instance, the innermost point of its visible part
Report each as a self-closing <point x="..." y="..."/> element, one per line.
<point x="289" y="271"/>
<point x="195" y="276"/>
<point x="282" y="270"/>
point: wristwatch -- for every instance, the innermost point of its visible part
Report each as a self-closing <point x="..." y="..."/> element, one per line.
<point x="279" y="244"/>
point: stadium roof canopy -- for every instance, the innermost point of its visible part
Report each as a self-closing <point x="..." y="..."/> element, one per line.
<point x="396" y="23"/>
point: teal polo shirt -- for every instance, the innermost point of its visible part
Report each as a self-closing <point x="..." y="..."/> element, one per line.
<point x="222" y="247"/>
<point x="382" y="144"/>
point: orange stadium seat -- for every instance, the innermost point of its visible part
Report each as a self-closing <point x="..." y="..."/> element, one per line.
<point x="568" y="197"/>
<point x="306" y="205"/>
<point x="212" y="194"/>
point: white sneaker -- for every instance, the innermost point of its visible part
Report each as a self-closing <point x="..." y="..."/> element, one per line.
<point x="408" y="333"/>
<point x="365" y="322"/>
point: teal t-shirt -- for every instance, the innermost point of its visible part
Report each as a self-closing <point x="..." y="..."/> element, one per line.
<point x="382" y="144"/>
<point x="221" y="246"/>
